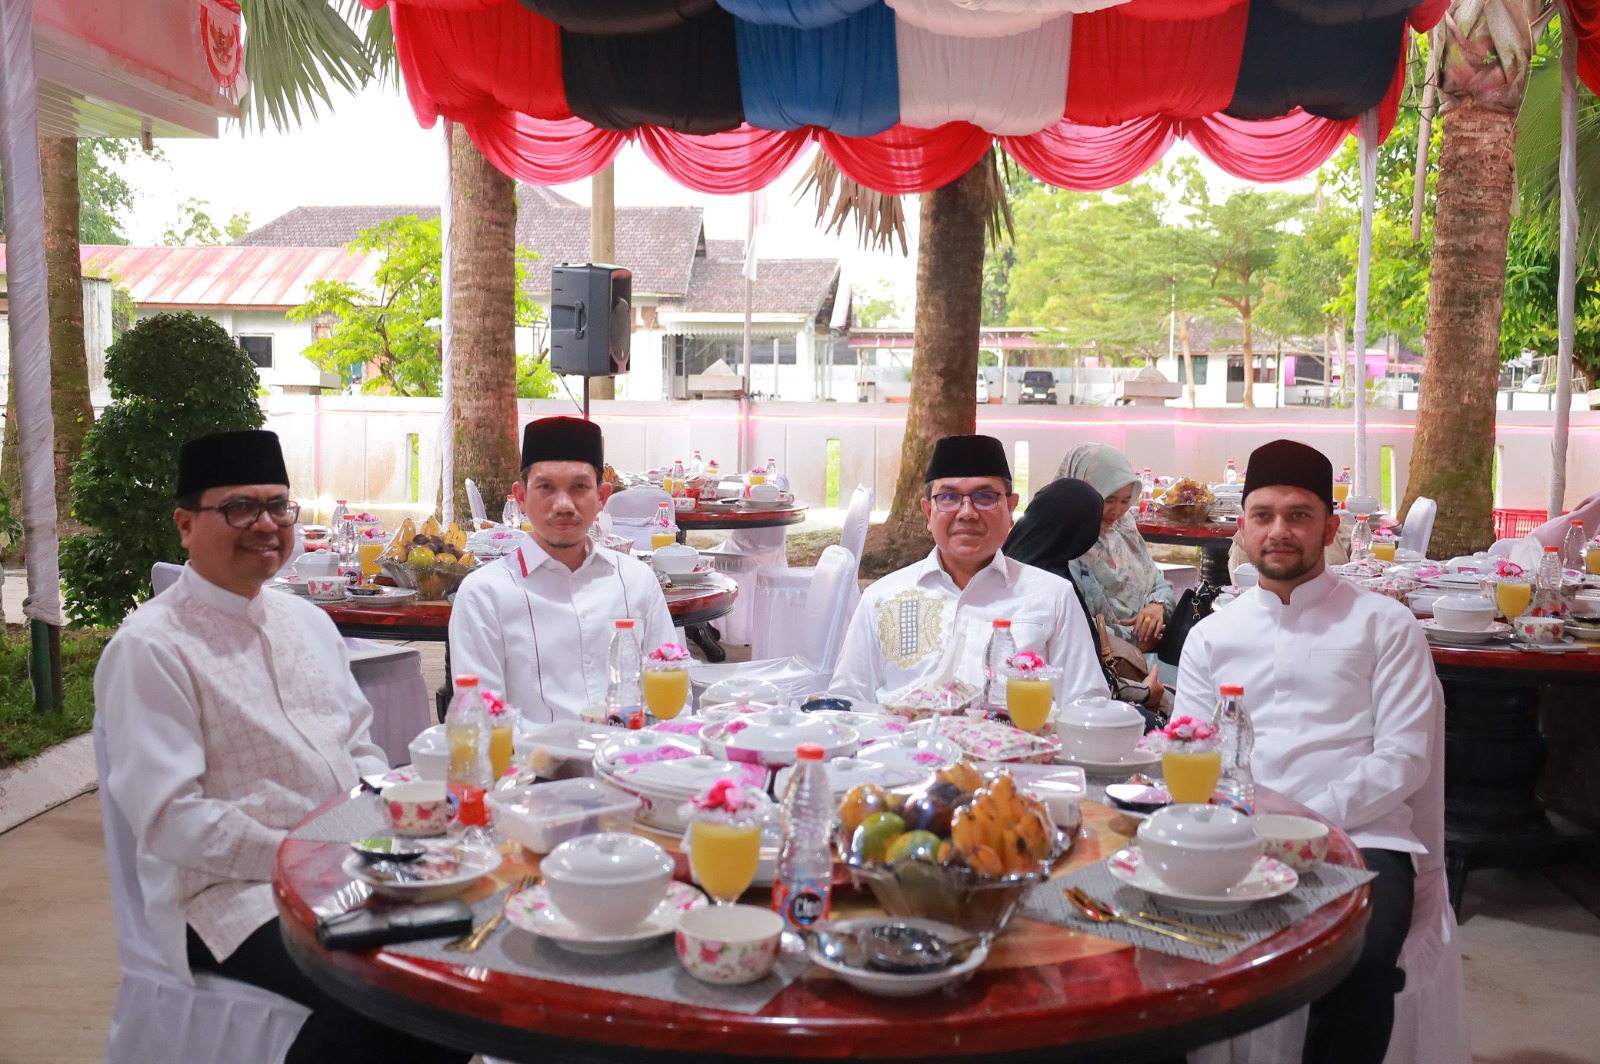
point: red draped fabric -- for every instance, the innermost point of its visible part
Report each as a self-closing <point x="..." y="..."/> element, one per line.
<point x="738" y="161"/>
<point x="1269" y="150"/>
<point x="1176" y="9"/>
<point x="1091" y="158"/>
<point x="470" y="66"/>
<point x="1427" y="14"/>
<point x="1124" y="68"/>
<point x="903" y="160"/>
<point x="545" y="153"/>
<point x="1584" y="15"/>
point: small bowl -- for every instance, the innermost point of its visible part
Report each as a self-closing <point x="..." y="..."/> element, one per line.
<point x="1297" y="841"/>
<point x="430" y="754"/>
<point x="607" y="882"/>
<point x="419" y="808"/>
<point x="327" y="588"/>
<point x="1200" y="849"/>
<point x="675" y="559"/>
<point x="825" y="702"/>
<point x="1422" y="600"/>
<point x="1464" y="613"/>
<point x="728" y="944"/>
<point x="1098" y="729"/>
<point x="316" y="563"/>
<point x="1539" y="629"/>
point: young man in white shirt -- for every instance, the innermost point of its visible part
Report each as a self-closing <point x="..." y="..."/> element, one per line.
<point x="230" y="714"/>
<point x="1348" y="719"/>
<point x="535" y="626"/>
<point x="911" y="619"/>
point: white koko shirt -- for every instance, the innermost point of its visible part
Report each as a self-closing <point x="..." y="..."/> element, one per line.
<point x="1347" y="708"/>
<point x="539" y="634"/>
<point x="906" y="621"/>
<point x="227" y="720"/>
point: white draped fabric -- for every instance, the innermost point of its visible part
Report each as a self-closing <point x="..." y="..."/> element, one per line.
<point x="1009" y="86"/>
<point x="976" y="18"/>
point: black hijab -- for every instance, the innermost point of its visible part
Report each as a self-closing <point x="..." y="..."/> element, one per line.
<point x="1060" y="525"/>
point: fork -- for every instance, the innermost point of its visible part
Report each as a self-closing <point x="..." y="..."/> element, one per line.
<point x="473" y="940"/>
<point x="1181" y="925"/>
<point x="1100" y="915"/>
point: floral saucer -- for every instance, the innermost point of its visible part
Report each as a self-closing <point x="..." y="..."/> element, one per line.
<point x="1124" y="766"/>
<point x="1268" y="879"/>
<point x="531" y="910"/>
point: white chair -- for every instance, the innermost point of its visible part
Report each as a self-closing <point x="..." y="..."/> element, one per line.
<point x="1417" y="529"/>
<point x="1501" y="548"/>
<point x="391" y="679"/>
<point x="159" y="1016"/>
<point x="632" y="511"/>
<point x="475" y="502"/>
<point x="1181" y="577"/>
<point x="162" y="576"/>
<point x="821" y="630"/>
<point x="780" y="591"/>
<point x="1430" y="1014"/>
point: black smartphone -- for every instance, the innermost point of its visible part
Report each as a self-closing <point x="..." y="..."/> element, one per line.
<point x="366" y="928"/>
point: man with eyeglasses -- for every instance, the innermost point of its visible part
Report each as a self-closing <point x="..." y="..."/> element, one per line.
<point x="229" y="714"/>
<point x="912" y="622"/>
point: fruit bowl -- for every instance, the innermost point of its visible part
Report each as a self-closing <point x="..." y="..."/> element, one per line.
<point x="428" y="581"/>
<point x="1188" y="513"/>
<point x="952" y="894"/>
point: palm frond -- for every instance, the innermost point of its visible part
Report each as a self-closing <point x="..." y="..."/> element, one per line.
<point x="880" y="218"/>
<point x="297" y="52"/>
<point x="1539" y="160"/>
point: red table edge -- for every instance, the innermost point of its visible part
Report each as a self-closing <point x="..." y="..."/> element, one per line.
<point x="584" y="1027"/>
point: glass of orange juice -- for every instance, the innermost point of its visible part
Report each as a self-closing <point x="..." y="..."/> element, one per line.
<point x="1191" y="759"/>
<point x="1383" y="548"/>
<point x="1341" y="492"/>
<point x="665" y="680"/>
<point x="757" y="475"/>
<point x="502" y="730"/>
<point x="1030" y="689"/>
<point x="724" y="843"/>
<point x="662" y="539"/>
<point x="1513" y="597"/>
<point x="369" y="552"/>
<point x="1591" y="558"/>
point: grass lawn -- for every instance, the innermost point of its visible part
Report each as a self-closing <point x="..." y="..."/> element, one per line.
<point x="24" y="733"/>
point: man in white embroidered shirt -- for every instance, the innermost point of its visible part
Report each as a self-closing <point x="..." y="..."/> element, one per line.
<point x="536" y="625"/>
<point x="910" y="622"/>
<point x="229" y="715"/>
<point x="1348" y="719"/>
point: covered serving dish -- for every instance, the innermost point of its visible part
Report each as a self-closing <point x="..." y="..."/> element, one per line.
<point x="607" y="882"/>
<point x="1200" y="849"/>
<point x="770" y="737"/>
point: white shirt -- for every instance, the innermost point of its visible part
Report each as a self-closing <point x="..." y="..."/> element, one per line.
<point x="1347" y="708"/>
<point x="907" y="620"/>
<point x="227" y="721"/>
<point x="539" y="634"/>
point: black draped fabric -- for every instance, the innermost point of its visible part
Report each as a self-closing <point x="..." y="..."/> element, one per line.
<point x="1332" y="71"/>
<point x="685" y="79"/>
<point x="618" y="16"/>
<point x="1331" y="11"/>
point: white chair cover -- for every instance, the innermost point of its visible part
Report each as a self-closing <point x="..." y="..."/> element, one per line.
<point x="475" y="501"/>
<point x="1181" y="577"/>
<point x="780" y="593"/>
<point x="391" y="678"/>
<point x="632" y="510"/>
<point x="162" y="576"/>
<point x="1416" y="532"/>
<point x="1010" y="86"/>
<point x="822" y="631"/>
<point x="1501" y="548"/>
<point x="159" y="1016"/>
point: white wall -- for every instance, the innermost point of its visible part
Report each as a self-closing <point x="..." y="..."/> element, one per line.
<point x="289" y="339"/>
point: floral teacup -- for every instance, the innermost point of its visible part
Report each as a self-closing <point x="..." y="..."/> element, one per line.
<point x="729" y="943"/>
<point x="421" y="808"/>
<point x="1297" y="841"/>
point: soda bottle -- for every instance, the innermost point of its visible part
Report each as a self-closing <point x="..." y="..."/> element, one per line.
<point x="624" y="693"/>
<point x="680" y="487"/>
<point x="466" y="725"/>
<point x="1001" y="646"/>
<point x="1572" y="547"/>
<point x="511" y="516"/>
<point x="1547" y="600"/>
<point x="1237" y="737"/>
<point x="1230" y="473"/>
<point x="803" y="888"/>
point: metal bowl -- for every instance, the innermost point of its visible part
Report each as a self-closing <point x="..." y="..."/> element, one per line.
<point x="1189" y="513"/>
<point x="428" y="581"/>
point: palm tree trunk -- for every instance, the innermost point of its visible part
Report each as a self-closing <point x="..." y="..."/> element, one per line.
<point x="483" y="371"/>
<point x="69" y="364"/>
<point x="944" y="370"/>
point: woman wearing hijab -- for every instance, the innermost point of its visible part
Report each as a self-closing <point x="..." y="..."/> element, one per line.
<point x="1117" y="576"/>
<point x="1060" y="525"/>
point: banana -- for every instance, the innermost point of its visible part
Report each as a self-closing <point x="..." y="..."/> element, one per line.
<point x="1035" y="834"/>
<point x="966" y="833"/>
<point x="430" y="527"/>
<point x="456" y="537"/>
<point x="985" y="861"/>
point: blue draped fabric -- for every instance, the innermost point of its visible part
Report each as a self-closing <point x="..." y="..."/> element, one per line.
<point x="799" y="14"/>
<point x="843" y="77"/>
<point x="1331" y="70"/>
<point x="684" y="79"/>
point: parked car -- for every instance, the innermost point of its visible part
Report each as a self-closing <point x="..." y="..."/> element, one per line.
<point x="1038" y="386"/>
<point x="983" y="389"/>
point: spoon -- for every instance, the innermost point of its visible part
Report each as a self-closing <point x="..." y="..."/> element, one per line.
<point x="895" y="947"/>
<point x="1181" y="925"/>
<point x="1093" y="911"/>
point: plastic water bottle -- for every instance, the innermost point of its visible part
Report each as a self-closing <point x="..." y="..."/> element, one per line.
<point x="803" y="889"/>
<point x="346" y="544"/>
<point x="1001" y="647"/>
<point x="466" y="726"/>
<point x="1547" y="601"/>
<point x="663" y="524"/>
<point x="511" y="516"/>
<point x="680" y="487"/>
<point x="1572" y="547"/>
<point x="772" y="470"/>
<point x="1238" y="740"/>
<point x="340" y="510"/>
<point x="1147" y="489"/>
<point x="1230" y="473"/>
<point x="624" y="695"/>
<point x="697" y="465"/>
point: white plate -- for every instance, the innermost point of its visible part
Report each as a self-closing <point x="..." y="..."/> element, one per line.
<point x="1438" y="633"/>
<point x="389" y="596"/>
<point x="698" y="578"/>
<point x="340" y="601"/>
<point x="294" y="585"/>
<point x="895" y="984"/>
<point x="1268" y="879"/>
<point x="765" y="504"/>
<point x="476" y="862"/>
<point x="1583" y="634"/>
<point x="531" y="910"/>
<point x="1126" y="766"/>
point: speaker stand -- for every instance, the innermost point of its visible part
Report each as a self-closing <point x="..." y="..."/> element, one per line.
<point x="586" y="397"/>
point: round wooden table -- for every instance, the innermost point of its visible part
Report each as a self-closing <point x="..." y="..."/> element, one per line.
<point x="727" y="518"/>
<point x="1495" y="754"/>
<point x="1214" y="539"/>
<point x="1046" y="993"/>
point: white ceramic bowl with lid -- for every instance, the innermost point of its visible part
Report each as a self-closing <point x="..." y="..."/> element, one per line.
<point x="607" y="883"/>
<point x="1098" y="729"/>
<point x="739" y="694"/>
<point x="771" y="737"/>
<point x="1464" y="613"/>
<point x="675" y="559"/>
<point x="1200" y="849"/>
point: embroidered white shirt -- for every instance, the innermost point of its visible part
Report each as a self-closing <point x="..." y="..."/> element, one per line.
<point x="1347" y="708"/>
<point x="227" y="721"/>
<point x="539" y="633"/>
<point x="900" y="632"/>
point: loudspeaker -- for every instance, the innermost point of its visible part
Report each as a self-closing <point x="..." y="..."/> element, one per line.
<point x="591" y="319"/>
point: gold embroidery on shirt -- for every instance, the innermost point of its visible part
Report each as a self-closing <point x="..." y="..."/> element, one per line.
<point x="910" y="627"/>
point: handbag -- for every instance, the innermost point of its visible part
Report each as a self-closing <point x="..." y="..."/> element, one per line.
<point x="1190" y="611"/>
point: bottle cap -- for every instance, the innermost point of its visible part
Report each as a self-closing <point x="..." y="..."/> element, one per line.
<point x="626" y="622"/>
<point x="468" y="680"/>
<point x="1001" y="622"/>
<point x="340" y="502"/>
<point x="1551" y="549"/>
<point x="809" y="751"/>
<point x="1232" y="690"/>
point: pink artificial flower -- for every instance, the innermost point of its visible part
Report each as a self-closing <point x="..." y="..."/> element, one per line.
<point x="1506" y="569"/>
<point x="670" y="652"/>
<point x="1025" y="661"/>
<point x="725" y="795"/>
<point x="1188" y="730"/>
<point x="496" y="706"/>
<point x="1383" y="533"/>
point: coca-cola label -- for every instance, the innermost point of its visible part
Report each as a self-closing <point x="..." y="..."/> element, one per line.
<point x="804" y="904"/>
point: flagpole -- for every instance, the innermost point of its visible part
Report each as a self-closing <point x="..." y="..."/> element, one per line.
<point x="447" y="440"/>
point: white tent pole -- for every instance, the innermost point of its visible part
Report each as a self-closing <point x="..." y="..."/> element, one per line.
<point x="1368" y="138"/>
<point x="1566" y="283"/>
<point x="745" y="402"/>
<point x="447" y="436"/>
<point x="29" y="307"/>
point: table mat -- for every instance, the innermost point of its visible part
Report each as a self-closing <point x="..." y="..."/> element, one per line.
<point x="652" y="972"/>
<point x="1258" y="922"/>
<point x="358" y="818"/>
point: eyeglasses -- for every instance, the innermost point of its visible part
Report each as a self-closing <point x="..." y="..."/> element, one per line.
<point x="950" y="501"/>
<point x="243" y="513"/>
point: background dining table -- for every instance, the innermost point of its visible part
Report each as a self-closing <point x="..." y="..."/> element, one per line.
<point x="1045" y="993"/>
<point x="1214" y="538"/>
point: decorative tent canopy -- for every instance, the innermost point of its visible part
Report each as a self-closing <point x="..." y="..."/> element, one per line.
<point x="904" y="95"/>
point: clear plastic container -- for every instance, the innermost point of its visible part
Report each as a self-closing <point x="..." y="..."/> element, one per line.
<point x="564" y="748"/>
<point x="545" y="815"/>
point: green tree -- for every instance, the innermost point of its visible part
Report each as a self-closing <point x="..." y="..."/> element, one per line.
<point x="105" y="197"/>
<point x="172" y="377"/>
<point x="871" y="305"/>
<point x="194" y="227"/>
